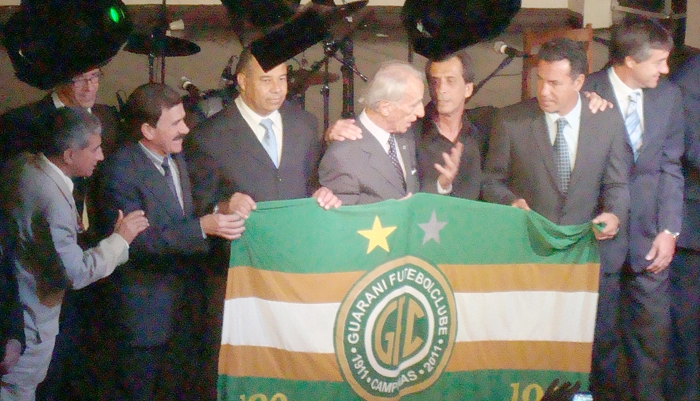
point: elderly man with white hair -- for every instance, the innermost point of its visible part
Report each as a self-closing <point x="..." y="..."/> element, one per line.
<point x="382" y="164"/>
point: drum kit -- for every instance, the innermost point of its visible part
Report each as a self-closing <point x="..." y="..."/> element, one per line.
<point x="276" y="34"/>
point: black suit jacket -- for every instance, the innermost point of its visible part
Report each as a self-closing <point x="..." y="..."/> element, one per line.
<point x="226" y="157"/>
<point x="22" y="128"/>
<point x="168" y="250"/>
<point x="431" y="144"/>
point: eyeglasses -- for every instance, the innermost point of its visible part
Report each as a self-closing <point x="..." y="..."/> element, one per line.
<point x="83" y="82"/>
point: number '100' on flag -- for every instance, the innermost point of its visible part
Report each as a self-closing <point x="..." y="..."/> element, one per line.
<point x="428" y="298"/>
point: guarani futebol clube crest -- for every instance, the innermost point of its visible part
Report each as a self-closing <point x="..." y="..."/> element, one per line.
<point x="395" y="329"/>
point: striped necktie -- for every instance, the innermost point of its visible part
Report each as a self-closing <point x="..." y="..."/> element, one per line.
<point x="561" y="156"/>
<point x="634" y="124"/>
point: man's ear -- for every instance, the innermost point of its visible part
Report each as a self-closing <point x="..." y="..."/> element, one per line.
<point x="469" y="90"/>
<point x="383" y="108"/>
<point x="240" y="79"/>
<point x="68" y="156"/>
<point x="147" y="131"/>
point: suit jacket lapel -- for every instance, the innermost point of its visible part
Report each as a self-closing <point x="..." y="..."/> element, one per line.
<point x="248" y="139"/>
<point x="43" y="166"/>
<point x="585" y="147"/>
<point x="184" y="184"/>
<point x="540" y="133"/>
<point x="407" y="149"/>
<point x="378" y="159"/>
<point x="154" y="181"/>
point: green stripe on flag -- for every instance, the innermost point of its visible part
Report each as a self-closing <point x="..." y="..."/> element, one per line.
<point x="493" y="385"/>
<point x="313" y="240"/>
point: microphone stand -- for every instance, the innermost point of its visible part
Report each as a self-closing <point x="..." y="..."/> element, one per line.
<point x="501" y="66"/>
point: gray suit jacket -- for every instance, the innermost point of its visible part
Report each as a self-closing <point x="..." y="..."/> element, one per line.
<point x="656" y="180"/>
<point x="42" y="217"/>
<point x="520" y="164"/>
<point x="360" y="172"/>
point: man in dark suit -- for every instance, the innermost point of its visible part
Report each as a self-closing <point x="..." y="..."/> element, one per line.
<point x="651" y="109"/>
<point x="236" y="153"/>
<point x="38" y="205"/>
<point x="161" y="308"/>
<point x="259" y="148"/>
<point x="684" y="380"/>
<point x="554" y="156"/>
<point x="382" y="163"/>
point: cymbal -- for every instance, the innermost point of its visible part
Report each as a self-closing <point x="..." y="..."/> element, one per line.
<point x="167" y="46"/>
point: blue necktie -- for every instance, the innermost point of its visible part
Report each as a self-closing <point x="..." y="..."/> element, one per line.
<point x="561" y="157"/>
<point x="269" y="141"/>
<point x="634" y="124"/>
<point x="169" y="179"/>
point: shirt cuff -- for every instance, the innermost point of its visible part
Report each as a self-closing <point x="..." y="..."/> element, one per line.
<point x="443" y="191"/>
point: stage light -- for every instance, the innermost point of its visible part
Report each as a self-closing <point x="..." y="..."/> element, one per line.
<point x="437" y="28"/>
<point x="50" y="42"/>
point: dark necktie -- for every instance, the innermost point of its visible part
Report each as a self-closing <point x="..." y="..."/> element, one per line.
<point x="395" y="159"/>
<point x="169" y="179"/>
<point x="561" y="156"/>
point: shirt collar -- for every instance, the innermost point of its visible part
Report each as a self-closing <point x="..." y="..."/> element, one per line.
<point x="572" y="118"/>
<point x="379" y="133"/>
<point x="60" y="172"/>
<point x="155" y="157"/>
<point x="254" y="118"/>
<point x="58" y="103"/>
<point x="620" y="88"/>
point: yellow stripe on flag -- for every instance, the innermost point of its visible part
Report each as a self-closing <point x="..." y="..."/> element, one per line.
<point x="247" y="361"/>
<point x="246" y="282"/>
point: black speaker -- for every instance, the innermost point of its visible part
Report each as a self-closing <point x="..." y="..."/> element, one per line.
<point x="437" y="28"/>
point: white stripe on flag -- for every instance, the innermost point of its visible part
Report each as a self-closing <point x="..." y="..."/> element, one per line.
<point x="500" y="316"/>
<point x="526" y="316"/>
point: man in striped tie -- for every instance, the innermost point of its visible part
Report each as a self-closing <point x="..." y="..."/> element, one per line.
<point x="651" y="108"/>
<point x="554" y="156"/>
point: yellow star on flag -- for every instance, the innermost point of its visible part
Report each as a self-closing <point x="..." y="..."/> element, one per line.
<point x="377" y="235"/>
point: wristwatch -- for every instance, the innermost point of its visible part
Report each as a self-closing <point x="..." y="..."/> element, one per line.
<point x="671" y="233"/>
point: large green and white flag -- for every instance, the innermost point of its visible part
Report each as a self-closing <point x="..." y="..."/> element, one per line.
<point x="428" y="298"/>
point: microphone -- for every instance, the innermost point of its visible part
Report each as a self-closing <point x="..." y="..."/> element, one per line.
<point x="502" y="48"/>
<point x="191" y="89"/>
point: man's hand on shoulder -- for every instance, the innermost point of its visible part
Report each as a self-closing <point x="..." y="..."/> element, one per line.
<point x="226" y="226"/>
<point x="597" y="103"/>
<point x="342" y="130"/>
<point x="131" y="225"/>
